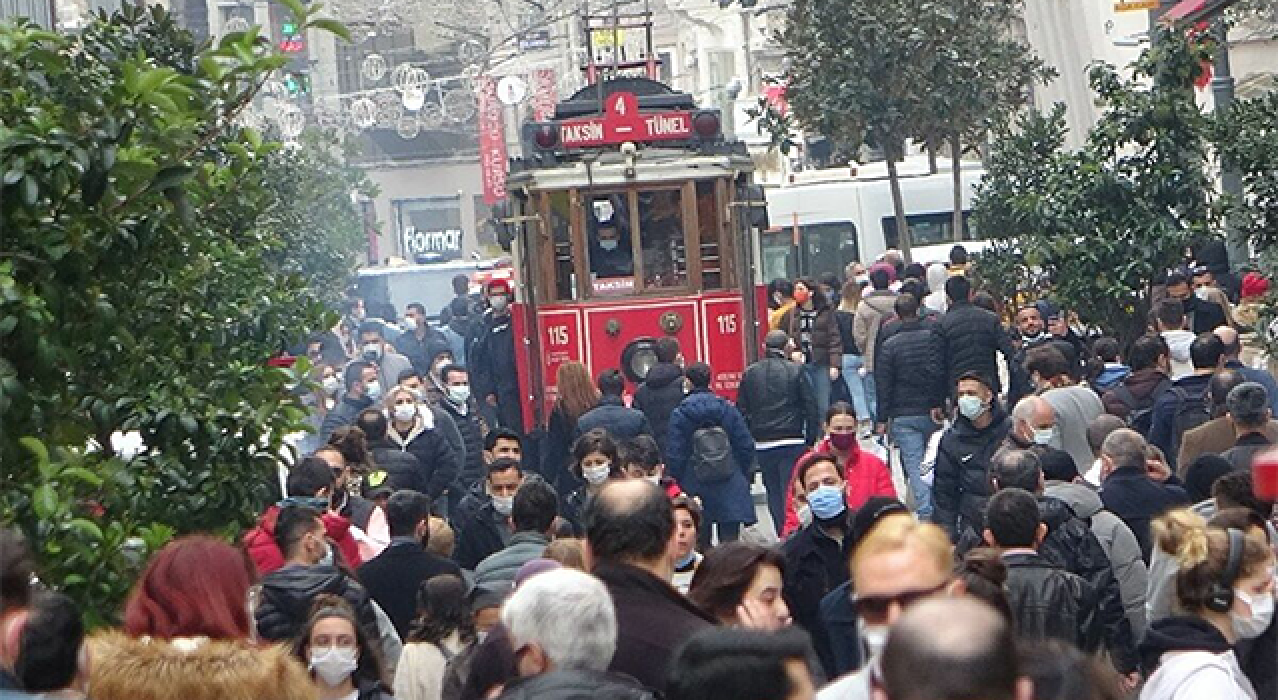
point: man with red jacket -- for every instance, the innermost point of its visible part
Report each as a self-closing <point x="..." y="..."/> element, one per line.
<point x="865" y="474"/>
<point x="311" y="483"/>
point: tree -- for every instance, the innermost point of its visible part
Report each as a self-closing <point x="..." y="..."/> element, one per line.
<point x="146" y="274"/>
<point x="1095" y="228"/>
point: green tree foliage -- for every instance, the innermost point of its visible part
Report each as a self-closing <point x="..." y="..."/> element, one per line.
<point x="1099" y="225"/>
<point x="147" y="271"/>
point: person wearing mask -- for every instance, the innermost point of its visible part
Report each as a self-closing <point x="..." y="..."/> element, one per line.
<point x="442" y="629"/>
<point x="865" y="475"/>
<point x="1184" y="406"/>
<point x="662" y="389"/>
<point x="872" y="313"/>
<point x="740" y="583"/>
<point x="852" y="361"/>
<point x="492" y="359"/>
<point x="972" y="336"/>
<point x="936" y="277"/>
<point x="533" y="513"/>
<point x="393" y="577"/>
<point x="362" y="390"/>
<point x="575" y="395"/>
<point x="484" y="515"/>
<point x="911" y="381"/>
<point x="1135" y="396"/>
<point x="961" y="486"/>
<point x="710" y="453"/>
<point x="1247" y="407"/>
<point x="1171" y="322"/>
<point x="343" y="662"/>
<point x="780" y="301"/>
<point x="641" y="459"/>
<point x="1034" y="426"/>
<point x="729" y="664"/>
<point x="1202" y="316"/>
<point x="462" y="409"/>
<point x="402" y="469"/>
<point x="1073" y="405"/>
<point x="1133" y="493"/>
<point x="1225" y="584"/>
<point x="188" y="633"/>
<point x="612" y="414"/>
<point x="375" y="350"/>
<point x="776" y="399"/>
<point x="596" y="461"/>
<point x="1231" y="349"/>
<point x="684" y="552"/>
<point x="312" y="482"/>
<point x="811" y="326"/>
<point x="630" y="527"/>
<point x="419" y="342"/>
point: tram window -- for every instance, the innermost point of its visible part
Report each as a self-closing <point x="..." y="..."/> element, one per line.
<point x="709" y="237"/>
<point x="561" y="215"/>
<point x="778" y="259"/>
<point x="662" y="239"/>
<point x="828" y="248"/>
<point x="926" y="229"/>
<point x="609" y="233"/>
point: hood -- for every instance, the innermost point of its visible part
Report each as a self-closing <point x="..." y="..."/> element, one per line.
<point x="1180" y="633"/>
<point x="1054" y="512"/>
<point x="662" y="375"/>
<point x="1179" y="343"/>
<point x="1144" y="381"/>
<point x="936" y="276"/>
<point x="577" y="684"/>
<point x="1083" y="500"/>
<point x="881" y="300"/>
<point x="1111" y="375"/>
<point x="999" y="421"/>
<point x="293" y="588"/>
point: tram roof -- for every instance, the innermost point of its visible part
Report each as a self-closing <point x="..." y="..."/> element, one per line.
<point x="651" y="166"/>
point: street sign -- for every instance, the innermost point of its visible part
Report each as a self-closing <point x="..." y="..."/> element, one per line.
<point x="624" y="122"/>
<point x="535" y="40"/>
<point x="512" y="90"/>
<point x="1136" y="5"/>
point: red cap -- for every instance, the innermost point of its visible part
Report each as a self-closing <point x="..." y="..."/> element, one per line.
<point x="501" y="285"/>
<point x="1253" y="285"/>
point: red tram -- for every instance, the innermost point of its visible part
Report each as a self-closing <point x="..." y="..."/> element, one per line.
<point x="632" y="217"/>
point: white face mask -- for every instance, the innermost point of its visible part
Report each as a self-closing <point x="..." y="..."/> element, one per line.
<point x="371" y="352"/>
<point x="373" y="390"/>
<point x="331" y="385"/>
<point x="1262" y="608"/>
<point x="1202" y="293"/>
<point x="404" y="412"/>
<point x="333" y="665"/>
<point x="499" y="302"/>
<point x="1042" y="436"/>
<point x="503" y="504"/>
<point x="971" y="406"/>
<point x="876" y="638"/>
<point x="459" y="393"/>
<point x="596" y="475"/>
<point x="410" y="324"/>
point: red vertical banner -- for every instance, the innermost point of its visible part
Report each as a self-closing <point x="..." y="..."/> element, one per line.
<point x="493" y="141"/>
<point x="543" y="90"/>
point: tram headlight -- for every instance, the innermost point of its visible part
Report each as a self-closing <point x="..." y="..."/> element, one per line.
<point x="638" y="358"/>
<point x="706" y="124"/>
<point x="546" y="136"/>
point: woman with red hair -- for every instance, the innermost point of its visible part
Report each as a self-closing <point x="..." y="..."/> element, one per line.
<point x="188" y="634"/>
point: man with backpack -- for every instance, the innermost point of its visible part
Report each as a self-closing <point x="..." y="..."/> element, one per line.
<point x="1186" y="405"/>
<point x="710" y="453"/>
<point x="1134" y="398"/>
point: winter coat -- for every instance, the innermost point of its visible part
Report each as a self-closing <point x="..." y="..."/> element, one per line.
<point x="776" y="399"/>
<point x="911" y="371"/>
<point x="872" y="312"/>
<point x="1246" y="448"/>
<point x="1136" y="499"/>
<point x="620" y="421"/>
<point x="1179" y="343"/>
<point x="492" y="357"/>
<point x="865" y="476"/>
<point x="498" y="570"/>
<point x="1164" y="431"/>
<point x="287" y="596"/>
<point x="1048" y="602"/>
<point x="393" y="577"/>
<point x="420" y="352"/>
<point x="1074" y="407"/>
<point x="727" y="501"/>
<point x="656" y="397"/>
<point x="816" y="565"/>
<point x="480" y="529"/>
<point x="1260" y="376"/>
<point x="437" y="460"/>
<point x="653" y="622"/>
<point x="133" y="668"/>
<point x="1144" y="385"/>
<point x="423" y="666"/>
<point x="825" y="338"/>
<point x="1189" y="659"/>
<point x="1215" y="437"/>
<point x="260" y="542"/>
<point x="960" y="484"/>
<point x="561" y="429"/>
<point x="576" y="684"/>
<point x="344" y="413"/>
<point x="972" y="336"/>
<point x="840" y="621"/>
<point x="403" y="469"/>
<point x="1117" y="541"/>
<point x="472" y="428"/>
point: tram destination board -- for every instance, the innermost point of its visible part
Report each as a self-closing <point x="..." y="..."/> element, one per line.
<point x="623" y="121"/>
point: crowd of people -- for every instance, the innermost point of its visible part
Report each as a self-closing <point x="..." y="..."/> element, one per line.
<point x="1075" y="518"/>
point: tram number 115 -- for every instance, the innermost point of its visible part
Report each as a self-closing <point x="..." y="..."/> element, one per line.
<point x="728" y="323"/>
<point x="558" y="335"/>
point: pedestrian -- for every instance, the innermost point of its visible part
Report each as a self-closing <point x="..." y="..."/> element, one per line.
<point x="311" y="482"/>
<point x="1107" y="370"/>
<point x="1202" y="316"/>
<point x="865" y="475"/>
<point x="730" y="664"/>
<point x="1217" y="435"/>
<point x="595" y="462"/>
<point x="1247" y="407"/>
<point x="662" y="389"/>
<point x="874" y="311"/>
<point x="710" y="453"/>
<point x="1129" y="491"/>
<point x="912" y="385"/>
<point x="966" y="647"/>
<point x="852" y="362"/>
<point x="376" y="351"/>
<point x="1135" y="396"/>
<point x="1185" y="406"/>
<point x="362" y="391"/>
<point x="483" y="520"/>
<point x="812" y="327"/>
<point x="611" y="413"/>
<point x="961" y="486"/>
<point x="343" y="661"/>
<point x="442" y="628"/>
<point x="420" y="343"/>
<point x="491" y="358"/>
<point x="641" y="459"/>
<point x="684" y="551"/>
<point x="936" y="277"/>
<point x="533" y="512"/>
<point x="1073" y="405"/>
<point x="1171" y="324"/>
<point x="776" y="399"/>
<point x="464" y="412"/>
<point x="1231" y="350"/>
<point x="575" y="395"/>
<point x="630" y="525"/>
<point x="780" y="301"/>
<point x="972" y="336"/>
<point x="51" y="660"/>
<point x="401" y="468"/>
<point x="740" y="583"/>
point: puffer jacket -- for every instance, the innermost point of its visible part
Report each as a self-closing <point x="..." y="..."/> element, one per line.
<point x="659" y="394"/>
<point x="1117" y="541"/>
<point x="472" y="428"/>
<point x="498" y="570"/>
<point x="870" y="315"/>
<point x="616" y="418"/>
<point x="287" y="596"/>
<point x="825" y="339"/>
<point x="911" y="371"/>
<point x="437" y="460"/>
<point x="727" y="501"/>
<point x="576" y="684"/>
<point x="865" y="476"/>
<point x="960" y="484"/>
<point x="1047" y="602"/>
<point x="776" y="399"/>
<point x="972" y="336"/>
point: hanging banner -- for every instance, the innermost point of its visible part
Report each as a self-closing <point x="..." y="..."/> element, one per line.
<point x="543" y="90"/>
<point x="493" y="141"/>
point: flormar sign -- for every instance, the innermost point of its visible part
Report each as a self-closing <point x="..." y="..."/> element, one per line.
<point x="622" y="122"/>
<point x="447" y="243"/>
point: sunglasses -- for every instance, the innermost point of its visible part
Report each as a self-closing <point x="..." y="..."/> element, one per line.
<point x="874" y="608"/>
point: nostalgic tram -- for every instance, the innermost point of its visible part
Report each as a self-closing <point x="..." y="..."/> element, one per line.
<point x="632" y="218"/>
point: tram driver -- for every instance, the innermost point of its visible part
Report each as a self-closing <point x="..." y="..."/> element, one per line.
<point x="611" y="254"/>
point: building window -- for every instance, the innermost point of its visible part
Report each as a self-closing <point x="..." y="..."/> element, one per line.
<point x="429" y="229"/>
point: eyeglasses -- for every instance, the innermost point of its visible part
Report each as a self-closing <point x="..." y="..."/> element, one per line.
<point x="874" y="608"/>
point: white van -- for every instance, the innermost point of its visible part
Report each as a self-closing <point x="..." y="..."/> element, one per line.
<point x="822" y="220"/>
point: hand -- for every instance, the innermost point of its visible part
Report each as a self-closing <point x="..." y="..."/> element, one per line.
<point x="1129" y="681"/>
<point x="937" y="415"/>
<point x="491" y="399"/>
<point x="755" y="615"/>
<point x="797" y="357"/>
<point x="834" y="372"/>
<point x="882" y="428"/>
<point x="1158" y="471"/>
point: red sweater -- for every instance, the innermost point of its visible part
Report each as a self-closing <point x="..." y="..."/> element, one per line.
<point x="865" y="475"/>
<point x="261" y="541"/>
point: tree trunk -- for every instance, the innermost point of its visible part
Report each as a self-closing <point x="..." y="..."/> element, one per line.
<point x="932" y="149"/>
<point x="899" y="211"/>
<point x="957" y="194"/>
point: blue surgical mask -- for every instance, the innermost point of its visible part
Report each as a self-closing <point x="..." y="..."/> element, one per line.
<point x="1042" y="436"/>
<point x="971" y="406"/>
<point x="826" y="502"/>
<point x="609" y="244"/>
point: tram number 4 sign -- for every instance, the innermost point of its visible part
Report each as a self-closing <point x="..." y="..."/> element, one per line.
<point x="622" y="122"/>
<point x="1136" y="5"/>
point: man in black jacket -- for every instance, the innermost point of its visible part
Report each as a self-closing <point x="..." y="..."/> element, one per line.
<point x="662" y="389"/>
<point x="287" y="594"/>
<point x="1133" y="493"/>
<point x="464" y="411"/>
<point x="483" y="520"/>
<point x="491" y="357"/>
<point x="360" y="380"/>
<point x="960" y="483"/>
<point x="612" y="414"/>
<point x="394" y="576"/>
<point x="419" y="342"/>
<point x="911" y="384"/>
<point x="972" y="336"/>
<point x="777" y="401"/>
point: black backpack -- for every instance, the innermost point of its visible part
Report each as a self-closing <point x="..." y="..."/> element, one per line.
<point x="712" y="458"/>
<point x="1139" y="416"/>
<point x="1189" y="412"/>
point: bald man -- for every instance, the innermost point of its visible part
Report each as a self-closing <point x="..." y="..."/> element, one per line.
<point x="1231" y="355"/>
<point x="1035" y="428"/>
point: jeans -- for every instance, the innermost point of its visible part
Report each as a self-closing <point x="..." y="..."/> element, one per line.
<point x="776" y="465"/>
<point x="820" y="380"/>
<point x="911" y="435"/>
<point x="861" y="387"/>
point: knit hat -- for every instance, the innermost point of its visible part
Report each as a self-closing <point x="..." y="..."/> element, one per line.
<point x="1253" y="285"/>
<point x="870" y="513"/>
